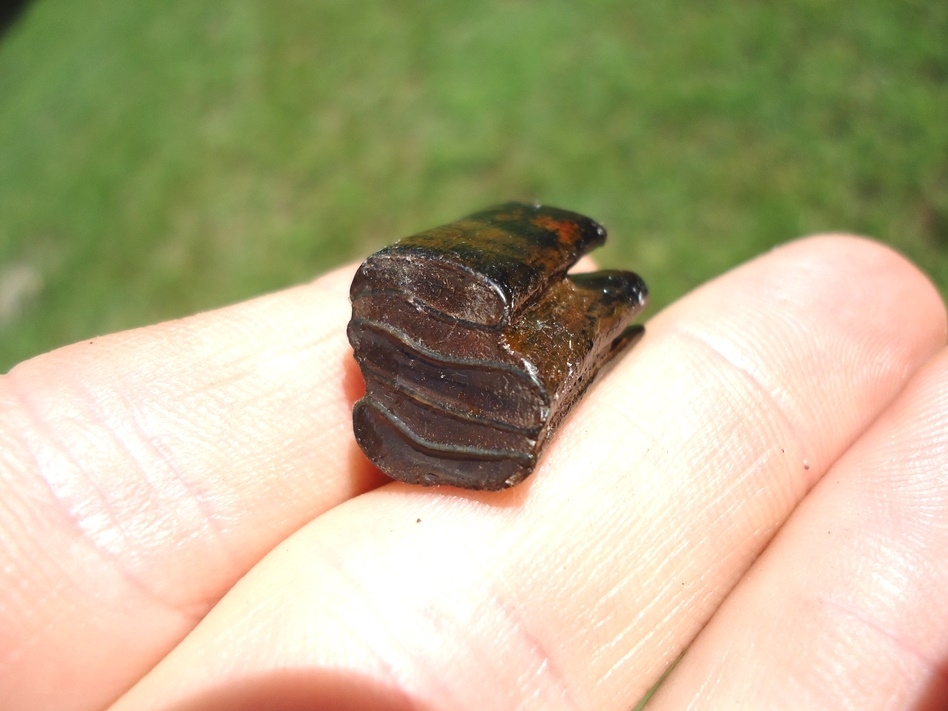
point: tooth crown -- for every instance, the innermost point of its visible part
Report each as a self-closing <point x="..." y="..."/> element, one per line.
<point x="474" y="342"/>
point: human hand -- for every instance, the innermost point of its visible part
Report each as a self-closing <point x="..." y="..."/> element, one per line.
<point x="762" y="481"/>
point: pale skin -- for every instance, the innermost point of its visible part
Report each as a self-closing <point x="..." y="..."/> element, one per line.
<point x="761" y="483"/>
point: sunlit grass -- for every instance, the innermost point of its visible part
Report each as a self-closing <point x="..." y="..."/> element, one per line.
<point x="161" y="158"/>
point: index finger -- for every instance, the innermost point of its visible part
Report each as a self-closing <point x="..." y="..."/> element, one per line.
<point x="577" y="588"/>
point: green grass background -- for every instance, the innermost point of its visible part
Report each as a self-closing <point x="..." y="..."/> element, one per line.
<point x="159" y="158"/>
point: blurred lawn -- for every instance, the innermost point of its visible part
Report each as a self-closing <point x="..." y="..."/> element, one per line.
<point x="159" y="158"/>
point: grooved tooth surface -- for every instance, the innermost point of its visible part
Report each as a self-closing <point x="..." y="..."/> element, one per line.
<point x="474" y="343"/>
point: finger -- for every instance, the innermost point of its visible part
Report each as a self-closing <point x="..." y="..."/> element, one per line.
<point x="847" y="607"/>
<point x="142" y="473"/>
<point x="577" y="589"/>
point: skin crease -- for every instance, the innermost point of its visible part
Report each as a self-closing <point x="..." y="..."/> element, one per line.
<point x="186" y="518"/>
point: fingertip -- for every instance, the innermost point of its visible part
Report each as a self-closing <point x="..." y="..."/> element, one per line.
<point x="867" y="264"/>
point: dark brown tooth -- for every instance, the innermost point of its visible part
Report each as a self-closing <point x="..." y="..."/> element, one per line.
<point x="475" y="343"/>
